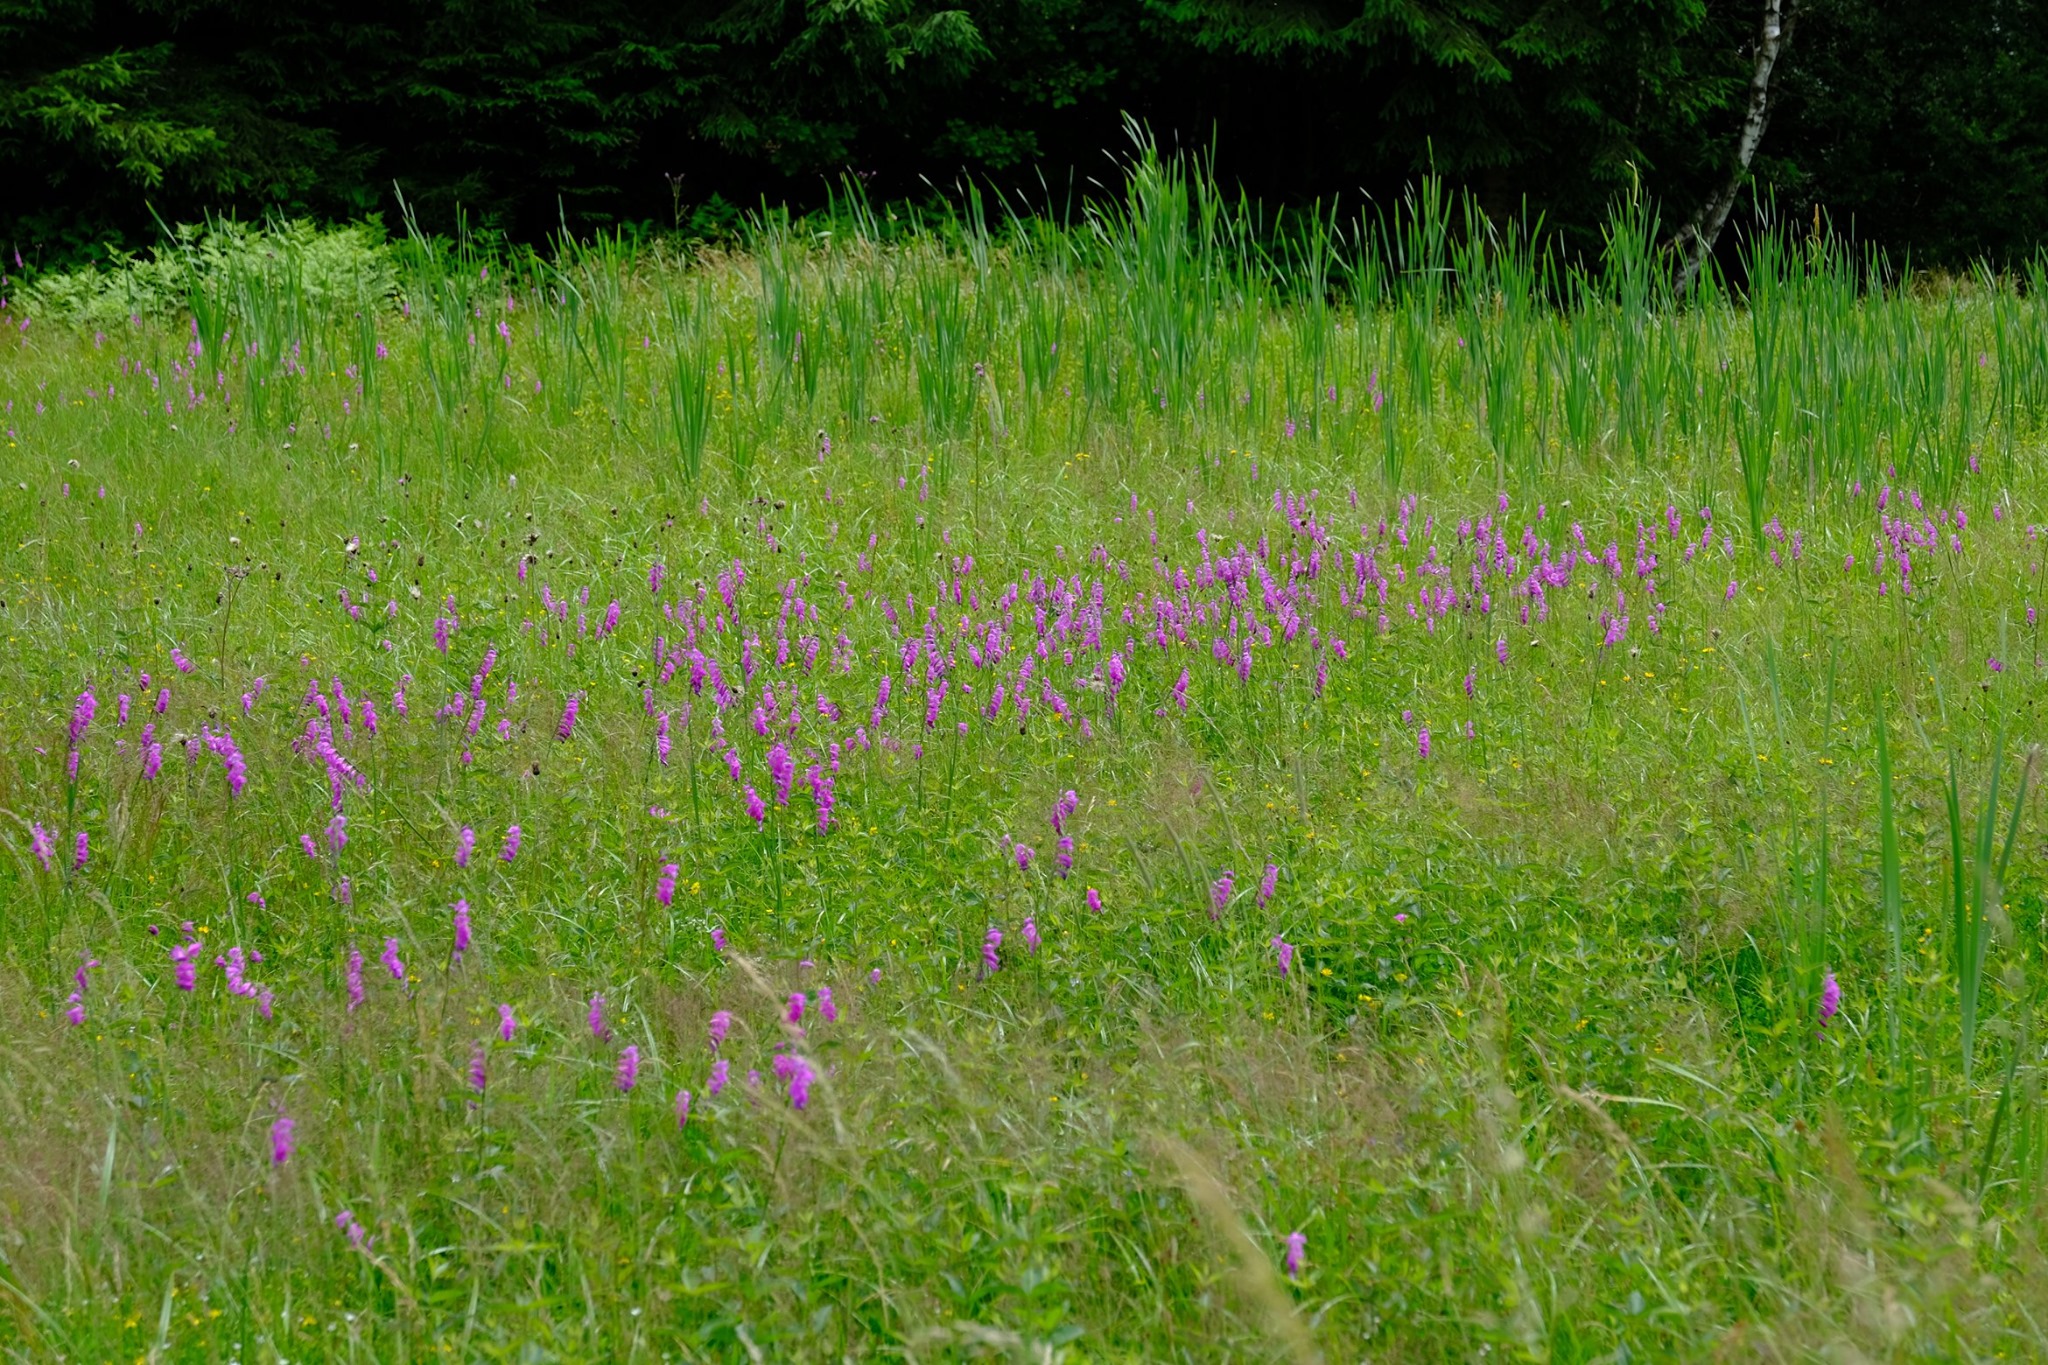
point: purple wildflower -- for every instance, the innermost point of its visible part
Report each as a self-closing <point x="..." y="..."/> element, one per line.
<point x="81" y="716"/>
<point x="682" y="1108"/>
<point x="479" y="1075"/>
<point x="721" y="1024"/>
<point x="629" y="1069"/>
<point x="391" y="960"/>
<point x="1219" y="894"/>
<point x="598" y="1029"/>
<point x="185" y="959"/>
<point x="797" y="1072"/>
<point x="568" y="722"/>
<point x="358" y="1237"/>
<point x="355" y="979"/>
<point x="1422" y="742"/>
<point x="1830" y="998"/>
<point x="81" y="850"/>
<point x="782" y="768"/>
<point x="508" y="1023"/>
<point x="665" y="888"/>
<point x="1024" y="856"/>
<point x="1284" y="951"/>
<point x="1094" y="901"/>
<point x="511" y="849"/>
<point x="1297" y="1253"/>
<point x="282" y="1140"/>
<point x="461" y="929"/>
<point x="826" y="1009"/>
<point x="991" y="961"/>
<point x="721" y="1070"/>
<point x="1268" y="884"/>
<point x="465" y="844"/>
<point x="1030" y="932"/>
<point x="796" y="1008"/>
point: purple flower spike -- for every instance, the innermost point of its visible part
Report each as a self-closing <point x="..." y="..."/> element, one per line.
<point x="508" y="1023"/>
<point x="392" y="962"/>
<point x="1030" y="931"/>
<point x="1094" y="901"/>
<point x="991" y="960"/>
<point x="1268" y="884"/>
<point x="1297" y="1253"/>
<point x="721" y="1024"/>
<point x="479" y="1075"/>
<point x="796" y="1008"/>
<point x="461" y="929"/>
<point x="598" y="1029"/>
<point x="283" y="1140"/>
<point x="511" y="849"/>
<point x="1219" y="894"/>
<point x="629" y="1069"/>
<point x="682" y="1108"/>
<point x="665" y="888"/>
<point x="1284" y="951"/>
<point x="1830" y="998"/>
<point x="828" y="1011"/>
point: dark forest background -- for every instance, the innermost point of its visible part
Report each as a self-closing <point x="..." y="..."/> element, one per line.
<point x="1918" y="127"/>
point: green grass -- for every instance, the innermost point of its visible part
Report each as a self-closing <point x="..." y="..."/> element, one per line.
<point x="1548" y="1077"/>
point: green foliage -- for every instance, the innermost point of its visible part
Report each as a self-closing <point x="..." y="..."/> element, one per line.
<point x="1921" y="133"/>
<point x="333" y="270"/>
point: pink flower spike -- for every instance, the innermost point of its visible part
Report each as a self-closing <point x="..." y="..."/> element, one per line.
<point x="283" y="1141"/>
<point x="1284" y="951"/>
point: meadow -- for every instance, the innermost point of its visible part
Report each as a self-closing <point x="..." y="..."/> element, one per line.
<point x="1134" y="784"/>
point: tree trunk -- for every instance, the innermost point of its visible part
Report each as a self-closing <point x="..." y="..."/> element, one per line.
<point x="1696" y="238"/>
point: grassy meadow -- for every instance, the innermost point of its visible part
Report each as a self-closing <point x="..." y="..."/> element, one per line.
<point x="1154" y="786"/>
